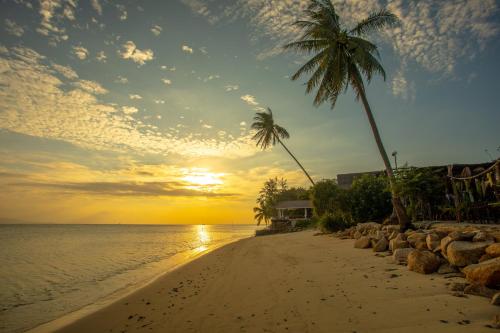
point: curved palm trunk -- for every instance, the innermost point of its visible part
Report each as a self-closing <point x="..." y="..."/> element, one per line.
<point x="404" y="221"/>
<point x="300" y="165"/>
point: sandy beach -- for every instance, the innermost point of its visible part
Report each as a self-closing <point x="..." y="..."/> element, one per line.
<point x="294" y="282"/>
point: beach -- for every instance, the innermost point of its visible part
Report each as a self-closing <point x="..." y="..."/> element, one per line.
<point x="297" y="282"/>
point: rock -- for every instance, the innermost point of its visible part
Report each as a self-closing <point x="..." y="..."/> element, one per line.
<point x="363" y="242"/>
<point x="462" y="235"/>
<point x="444" y="244"/>
<point x="485" y="257"/>
<point x="380" y="245"/>
<point x="357" y="235"/>
<point x="479" y="290"/>
<point x="400" y="256"/>
<point x="416" y="237"/>
<point x="395" y="244"/>
<point x="493" y="250"/>
<point x="433" y="241"/>
<point x="424" y="262"/>
<point x="447" y="268"/>
<point x="454" y="275"/>
<point x="379" y="235"/>
<point x="393" y="235"/>
<point x="460" y="253"/>
<point x="421" y="245"/>
<point x="495" y="300"/>
<point x="391" y="228"/>
<point x="458" y="286"/>
<point x="368" y="226"/>
<point x="483" y="236"/>
<point x="486" y="273"/>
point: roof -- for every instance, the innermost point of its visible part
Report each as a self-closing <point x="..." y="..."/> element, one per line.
<point x="295" y="204"/>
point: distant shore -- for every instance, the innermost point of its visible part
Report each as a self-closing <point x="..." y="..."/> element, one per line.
<point x="291" y="283"/>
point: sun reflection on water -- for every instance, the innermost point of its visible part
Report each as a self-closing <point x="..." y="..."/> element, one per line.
<point x="203" y="237"/>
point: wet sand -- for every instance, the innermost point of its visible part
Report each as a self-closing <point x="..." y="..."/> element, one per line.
<point x="292" y="283"/>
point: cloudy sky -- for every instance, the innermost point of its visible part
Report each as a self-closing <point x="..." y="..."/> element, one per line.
<point x="139" y="111"/>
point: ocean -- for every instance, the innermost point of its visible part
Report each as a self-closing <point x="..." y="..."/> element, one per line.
<point x="48" y="271"/>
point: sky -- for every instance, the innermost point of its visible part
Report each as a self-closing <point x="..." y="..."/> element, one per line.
<point x="140" y="111"/>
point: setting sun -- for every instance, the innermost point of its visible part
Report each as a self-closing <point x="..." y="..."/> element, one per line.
<point x="202" y="178"/>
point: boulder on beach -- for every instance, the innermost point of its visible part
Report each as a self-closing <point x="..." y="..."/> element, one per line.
<point x="483" y="236"/>
<point x="367" y="227"/>
<point x="479" y="290"/>
<point x="433" y="241"/>
<point x="495" y="300"/>
<point x="396" y="243"/>
<point x="462" y="235"/>
<point x="486" y="273"/>
<point x="380" y="245"/>
<point x="493" y="250"/>
<point x="363" y="242"/>
<point x="415" y="238"/>
<point x="424" y="262"/>
<point x="445" y="242"/>
<point x="446" y="268"/>
<point x="463" y="253"/>
<point x="400" y="256"/>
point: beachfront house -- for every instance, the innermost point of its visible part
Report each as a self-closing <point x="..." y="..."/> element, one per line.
<point x="289" y="212"/>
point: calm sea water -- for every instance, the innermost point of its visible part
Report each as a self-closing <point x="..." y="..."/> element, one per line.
<point x="47" y="271"/>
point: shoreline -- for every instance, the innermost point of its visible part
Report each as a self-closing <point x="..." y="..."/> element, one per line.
<point x="175" y="262"/>
<point x="289" y="283"/>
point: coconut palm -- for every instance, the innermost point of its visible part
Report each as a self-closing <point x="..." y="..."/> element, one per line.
<point x="343" y="57"/>
<point x="269" y="133"/>
<point x="261" y="215"/>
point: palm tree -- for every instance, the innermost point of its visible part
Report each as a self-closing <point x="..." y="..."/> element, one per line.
<point x="341" y="58"/>
<point x="261" y="215"/>
<point x="269" y="133"/>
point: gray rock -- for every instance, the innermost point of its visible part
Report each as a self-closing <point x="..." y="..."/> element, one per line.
<point x="461" y="253"/>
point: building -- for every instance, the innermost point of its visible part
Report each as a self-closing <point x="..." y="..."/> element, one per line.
<point x="345" y="180"/>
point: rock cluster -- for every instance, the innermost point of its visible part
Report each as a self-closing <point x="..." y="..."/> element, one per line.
<point x="453" y="251"/>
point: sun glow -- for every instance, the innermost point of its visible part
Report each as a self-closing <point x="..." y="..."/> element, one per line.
<point x="200" y="178"/>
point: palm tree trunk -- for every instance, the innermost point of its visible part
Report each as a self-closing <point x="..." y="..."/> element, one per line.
<point x="300" y="165"/>
<point x="404" y="221"/>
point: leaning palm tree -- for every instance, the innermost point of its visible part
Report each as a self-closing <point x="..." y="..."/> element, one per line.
<point x="343" y="57"/>
<point x="269" y="133"/>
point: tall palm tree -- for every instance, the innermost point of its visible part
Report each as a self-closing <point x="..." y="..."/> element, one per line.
<point x="269" y="133"/>
<point x="341" y="58"/>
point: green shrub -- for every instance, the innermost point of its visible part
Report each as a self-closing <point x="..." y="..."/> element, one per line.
<point x="304" y="224"/>
<point x="333" y="222"/>
<point x="370" y="198"/>
<point x="328" y="198"/>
